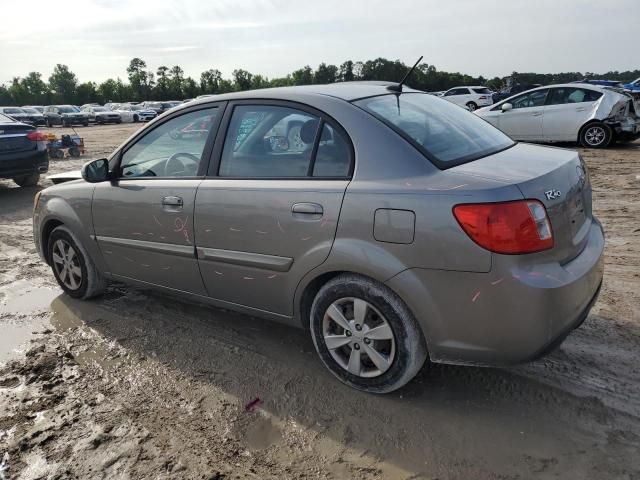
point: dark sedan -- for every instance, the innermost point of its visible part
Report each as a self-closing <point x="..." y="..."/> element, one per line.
<point x="34" y="115"/>
<point x="23" y="152"/>
<point x="65" y="115"/>
<point x="16" y="113"/>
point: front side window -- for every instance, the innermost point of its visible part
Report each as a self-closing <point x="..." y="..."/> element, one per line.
<point x="173" y="149"/>
<point x="445" y="133"/>
<point x="532" y="99"/>
<point x="268" y="141"/>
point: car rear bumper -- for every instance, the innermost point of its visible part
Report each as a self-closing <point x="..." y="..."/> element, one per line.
<point x="515" y="313"/>
<point x="23" y="163"/>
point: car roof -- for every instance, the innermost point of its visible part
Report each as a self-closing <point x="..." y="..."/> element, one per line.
<point x="348" y="91"/>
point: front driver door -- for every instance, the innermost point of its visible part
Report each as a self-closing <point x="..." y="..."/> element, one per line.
<point x="143" y="220"/>
<point x="269" y="214"/>
<point x="524" y="120"/>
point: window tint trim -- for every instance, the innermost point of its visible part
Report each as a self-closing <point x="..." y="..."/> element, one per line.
<point x="161" y="120"/>
<point x="439" y="164"/>
<point x="216" y="155"/>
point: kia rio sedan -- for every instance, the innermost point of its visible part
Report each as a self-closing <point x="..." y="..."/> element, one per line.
<point x="395" y="227"/>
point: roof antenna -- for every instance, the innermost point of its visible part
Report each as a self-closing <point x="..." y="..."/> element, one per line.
<point x="398" y="87"/>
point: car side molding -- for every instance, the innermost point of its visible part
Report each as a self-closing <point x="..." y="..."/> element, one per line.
<point x="247" y="259"/>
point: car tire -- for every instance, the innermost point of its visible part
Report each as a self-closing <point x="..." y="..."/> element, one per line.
<point x="48" y="123"/>
<point x="27" y="180"/>
<point x="81" y="279"/>
<point x="472" y="106"/>
<point x="398" y="345"/>
<point x="86" y="124"/>
<point x="136" y="119"/>
<point x="595" y="135"/>
<point x="118" y="121"/>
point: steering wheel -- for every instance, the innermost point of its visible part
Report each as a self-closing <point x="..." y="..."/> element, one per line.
<point x="180" y="163"/>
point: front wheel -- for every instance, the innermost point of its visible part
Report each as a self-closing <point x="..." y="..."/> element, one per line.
<point x="472" y="107"/>
<point x="136" y="119"/>
<point x="74" y="270"/>
<point x="595" y="135"/>
<point x="27" y="180"/>
<point x="365" y="334"/>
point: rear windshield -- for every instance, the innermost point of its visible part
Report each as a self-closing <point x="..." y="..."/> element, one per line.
<point x="483" y="90"/>
<point x="12" y="111"/>
<point x="445" y="133"/>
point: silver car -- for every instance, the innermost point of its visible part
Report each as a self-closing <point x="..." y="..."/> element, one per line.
<point x="395" y="226"/>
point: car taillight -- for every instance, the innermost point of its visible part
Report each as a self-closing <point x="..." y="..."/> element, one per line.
<point x="36" y="136"/>
<point x="515" y="227"/>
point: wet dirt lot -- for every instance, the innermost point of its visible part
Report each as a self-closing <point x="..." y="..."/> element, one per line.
<point x="137" y="384"/>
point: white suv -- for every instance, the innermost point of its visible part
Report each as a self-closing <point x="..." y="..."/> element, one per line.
<point x="469" y="97"/>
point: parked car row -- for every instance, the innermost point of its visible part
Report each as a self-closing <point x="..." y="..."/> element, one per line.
<point x="70" y="115"/>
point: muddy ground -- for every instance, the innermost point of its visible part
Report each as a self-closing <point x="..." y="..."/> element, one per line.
<point x="140" y="385"/>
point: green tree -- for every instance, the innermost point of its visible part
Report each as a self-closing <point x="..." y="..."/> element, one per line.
<point x="210" y="80"/>
<point x="303" y="76"/>
<point x="326" y="73"/>
<point x="345" y="73"/>
<point x="175" y="82"/>
<point x="190" y="88"/>
<point x="138" y="78"/>
<point x="242" y="79"/>
<point x="162" y="85"/>
<point x="63" y="84"/>
<point x="86" y="92"/>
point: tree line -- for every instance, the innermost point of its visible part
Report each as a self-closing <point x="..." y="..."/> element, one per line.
<point x="170" y="83"/>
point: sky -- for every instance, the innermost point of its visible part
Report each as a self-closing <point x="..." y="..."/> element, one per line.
<point x="97" y="38"/>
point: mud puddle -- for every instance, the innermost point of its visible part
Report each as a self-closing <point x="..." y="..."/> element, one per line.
<point x="22" y="314"/>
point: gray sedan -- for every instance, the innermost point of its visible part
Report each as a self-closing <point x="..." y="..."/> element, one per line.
<point x="395" y="226"/>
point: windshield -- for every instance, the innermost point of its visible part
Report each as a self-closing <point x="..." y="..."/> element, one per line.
<point x="445" y="133"/>
<point x="136" y="107"/>
<point x="30" y="110"/>
<point x="13" y="111"/>
<point x="100" y="109"/>
<point x="66" y="110"/>
<point x="5" y="119"/>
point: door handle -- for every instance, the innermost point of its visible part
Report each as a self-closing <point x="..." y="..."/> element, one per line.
<point x="536" y="114"/>
<point x="580" y="109"/>
<point x="172" y="203"/>
<point x="307" y="208"/>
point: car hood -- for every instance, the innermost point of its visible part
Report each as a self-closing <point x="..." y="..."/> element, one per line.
<point x="65" y="177"/>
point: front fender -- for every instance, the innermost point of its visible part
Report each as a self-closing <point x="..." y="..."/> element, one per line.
<point x="72" y="208"/>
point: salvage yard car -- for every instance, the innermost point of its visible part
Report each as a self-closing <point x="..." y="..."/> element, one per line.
<point x="23" y="152"/>
<point x="135" y="113"/>
<point x="592" y="115"/>
<point x="16" y="113"/>
<point x="65" y="116"/>
<point x="394" y="226"/>
<point x="101" y="115"/>
<point x="34" y="116"/>
<point x="469" y="97"/>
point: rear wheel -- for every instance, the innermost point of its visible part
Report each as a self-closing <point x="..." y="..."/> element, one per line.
<point x="472" y="106"/>
<point x="27" y="180"/>
<point x="595" y="135"/>
<point x="73" y="268"/>
<point x="365" y="334"/>
<point x="136" y="119"/>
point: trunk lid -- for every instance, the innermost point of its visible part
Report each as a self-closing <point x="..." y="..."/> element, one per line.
<point x="556" y="177"/>
<point x="13" y="138"/>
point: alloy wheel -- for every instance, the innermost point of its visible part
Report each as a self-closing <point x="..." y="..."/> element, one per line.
<point x="595" y="135"/>
<point x="67" y="264"/>
<point x="358" y="337"/>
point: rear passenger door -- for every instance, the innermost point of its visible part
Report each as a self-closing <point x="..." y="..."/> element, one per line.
<point x="267" y="213"/>
<point x="566" y="110"/>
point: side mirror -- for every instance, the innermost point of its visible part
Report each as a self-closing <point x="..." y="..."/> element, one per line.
<point x="96" y="171"/>
<point x="506" y="107"/>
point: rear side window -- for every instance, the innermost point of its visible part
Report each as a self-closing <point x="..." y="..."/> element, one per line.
<point x="268" y="141"/>
<point x="564" y="95"/>
<point x="445" y="133"/>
